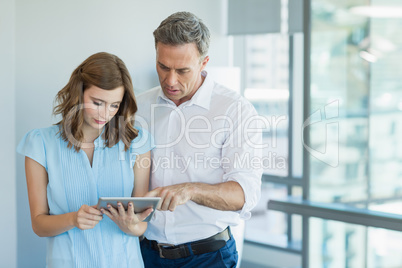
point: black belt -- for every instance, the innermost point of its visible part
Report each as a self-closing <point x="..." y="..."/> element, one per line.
<point x="206" y="245"/>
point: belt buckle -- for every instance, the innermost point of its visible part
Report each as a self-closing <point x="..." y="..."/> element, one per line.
<point x="160" y="247"/>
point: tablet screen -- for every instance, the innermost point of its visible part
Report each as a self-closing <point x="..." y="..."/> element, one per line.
<point x="140" y="203"/>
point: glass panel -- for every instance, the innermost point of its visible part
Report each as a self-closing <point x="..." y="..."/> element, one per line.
<point x="339" y="106"/>
<point x="264" y="63"/>
<point x="384" y="248"/>
<point x="336" y="244"/>
<point x="265" y="68"/>
<point x="297" y="191"/>
<point x="355" y="128"/>
<point x="385" y="49"/>
<point x="297" y="231"/>
<point x="266" y="226"/>
<point x="298" y="104"/>
<point x="356" y="102"/>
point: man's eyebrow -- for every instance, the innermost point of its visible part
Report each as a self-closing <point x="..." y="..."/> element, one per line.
<point x="181" y="69"/>
<point x="163" y="65"/>
<point x="103" y="100"/>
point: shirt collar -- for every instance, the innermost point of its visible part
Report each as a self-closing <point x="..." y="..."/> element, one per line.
<point x="201" y="98"/>
<point x="161" y="97"/>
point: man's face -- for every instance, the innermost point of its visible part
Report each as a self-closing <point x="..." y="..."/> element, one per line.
<point x="179" y="70"/>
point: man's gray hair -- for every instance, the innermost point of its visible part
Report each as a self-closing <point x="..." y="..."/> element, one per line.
<point x="183" y="28"/>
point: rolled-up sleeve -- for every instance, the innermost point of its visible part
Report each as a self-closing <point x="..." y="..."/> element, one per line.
<point x="242" y="154"/>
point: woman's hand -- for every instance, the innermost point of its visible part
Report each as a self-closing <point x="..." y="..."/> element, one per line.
<point x="127" y="220"/>
<point x="87" y="217"/>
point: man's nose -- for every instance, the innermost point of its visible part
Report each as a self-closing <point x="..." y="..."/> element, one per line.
<point x="171" y="78"/>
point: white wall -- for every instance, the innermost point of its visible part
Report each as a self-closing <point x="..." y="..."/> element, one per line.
<point x="52" y="38"/>
<point x="8" y="219"/>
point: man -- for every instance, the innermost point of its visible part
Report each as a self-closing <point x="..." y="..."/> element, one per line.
<point x="205" y="166"/>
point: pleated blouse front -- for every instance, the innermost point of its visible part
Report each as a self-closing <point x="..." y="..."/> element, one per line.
<point x="73" y="182"/>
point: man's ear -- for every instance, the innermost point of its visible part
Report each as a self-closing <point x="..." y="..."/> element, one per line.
<point x="204" y="62"/>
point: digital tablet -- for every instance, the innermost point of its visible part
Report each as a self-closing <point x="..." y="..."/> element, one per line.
<point x="140" y="203"/>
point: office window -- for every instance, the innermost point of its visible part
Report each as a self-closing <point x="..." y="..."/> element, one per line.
<point x="350" y="245"/>
<point x="271" y="63"/>
<point x="266" y="85"/>
<point x="266" y="226"/>
<point x="265" y="62"/>
<point x="355" y="145"/>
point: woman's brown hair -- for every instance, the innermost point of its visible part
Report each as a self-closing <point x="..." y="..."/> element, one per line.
<point x="108" y="72"/>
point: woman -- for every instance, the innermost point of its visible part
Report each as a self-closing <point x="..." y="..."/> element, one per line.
<point x="94" y="151"/>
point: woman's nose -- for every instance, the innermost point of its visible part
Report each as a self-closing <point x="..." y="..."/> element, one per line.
<point x="104" y="112"/>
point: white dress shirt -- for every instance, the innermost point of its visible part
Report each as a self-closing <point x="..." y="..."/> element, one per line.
<point x="212" y="138"/>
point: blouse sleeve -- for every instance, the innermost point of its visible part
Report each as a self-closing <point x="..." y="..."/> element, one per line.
<point x="143" y="143"/>
<point x="32" y="146"/>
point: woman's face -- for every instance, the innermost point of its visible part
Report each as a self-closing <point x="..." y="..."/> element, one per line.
<point x="101" y="105"/>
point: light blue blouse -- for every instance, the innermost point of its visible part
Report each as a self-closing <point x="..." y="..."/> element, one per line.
<point x="73" y="182"/>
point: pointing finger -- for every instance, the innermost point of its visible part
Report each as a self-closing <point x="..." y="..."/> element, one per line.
<point x="154" y="193"/>
<point x="166" y="202"/>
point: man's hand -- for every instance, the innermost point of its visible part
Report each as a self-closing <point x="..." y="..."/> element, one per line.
<point x="173" y="195"/>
